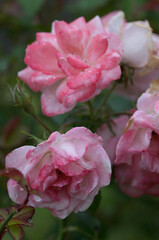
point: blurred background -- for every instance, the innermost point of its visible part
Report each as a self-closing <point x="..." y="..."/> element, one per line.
<point x="118" y="216"/>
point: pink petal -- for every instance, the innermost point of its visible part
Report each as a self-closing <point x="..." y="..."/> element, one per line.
<point x="96" y="48"/>
<point x="40" y="80"/>
<point x="84" y="79"/>
<point x="107" y="76"/>
<point x="76" y="62"/>
<point x="71" y="97"/>
<point x="66" y="67"/>
<point x="114" y="21"/>
<point x="42" y="57"/>
<point x="16" y="192"/>
<point x="48" y="37"/>
<point x="17" y="158"/>
<point x="115" y="43"/>
<point x="80" y="23"/>
<point x="62" y="91"/>
<point x="89" y="183"/>
<point x="69" y="37"/>
<point x="50" y="105"/>
<point x="109" y="60"/>
<point x="95" y="26"/>
<point x="25" y="75"/>
<point x="102" y="166"/>
<point x="72" y="169"/>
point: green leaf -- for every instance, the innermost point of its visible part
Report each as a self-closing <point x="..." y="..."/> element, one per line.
<point x="17" y="221"/>
<point x="30" y="7"/>
<point x="25" y="214"/>
<point x="3" y="213"/>
<point x="14" y="174"/>
<point x="16" y="232"/>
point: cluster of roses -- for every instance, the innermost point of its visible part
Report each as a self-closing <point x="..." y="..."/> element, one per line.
<point x="73" y="64"/>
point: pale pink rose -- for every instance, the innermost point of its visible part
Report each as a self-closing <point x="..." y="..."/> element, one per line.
<point x="136" y="166"/>
<point x="67" y="171"/>
<point x="71" y="64"/>
<point x="110" y="139"/>
<point x="136" y="38"/>
<point x="141" y="52"/>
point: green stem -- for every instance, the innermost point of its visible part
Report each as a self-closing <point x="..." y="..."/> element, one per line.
<point x="60" y="235"/>
<point x="4" y="224"/>
<point x="41" y="122"/>
<point x="106" y="98"/>
<point x="118" y="114"/>
<point x="90" y="109"/>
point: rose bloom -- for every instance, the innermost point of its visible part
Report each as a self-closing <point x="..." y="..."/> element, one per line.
<point x="136" y="166"/>
<point x="110" y="139"/>
<point x="140" y="51"/>
<point x="71" y="64"/>
<point x="66" y="171"/>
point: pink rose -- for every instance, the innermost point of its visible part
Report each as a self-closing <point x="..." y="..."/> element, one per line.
<point x="71" y="64"/>
<point x="66" y="171"/>
<point x="110" y="140"/>
<point x="141" y="51"/>
<point x="136" y="38"/>
<point x="137" y="155"/>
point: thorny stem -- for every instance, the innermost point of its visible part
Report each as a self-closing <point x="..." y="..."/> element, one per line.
<point x="41" y="122"/>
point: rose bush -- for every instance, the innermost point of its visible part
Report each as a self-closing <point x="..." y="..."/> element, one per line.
<point x="136" y="165"/>
<point x="66" y="171"/>
<point x="71" y="64"/>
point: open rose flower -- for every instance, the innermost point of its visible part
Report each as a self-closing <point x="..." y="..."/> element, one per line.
<point x="140" y="51"/>
<point x="71" y="64"/>
<point x="137" y="156"/>
<point x="66" y="171"/>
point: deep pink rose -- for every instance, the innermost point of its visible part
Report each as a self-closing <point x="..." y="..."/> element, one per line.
<point x="110" y="139"/>
<point x="66" y="171"/>
<point x="137" y="155"/>
<point x="71" y="64"/>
